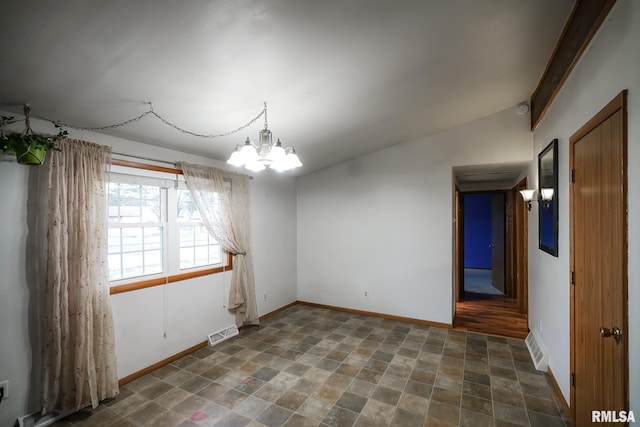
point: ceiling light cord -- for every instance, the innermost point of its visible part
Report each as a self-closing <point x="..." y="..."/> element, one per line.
<point x="152" y="112"/>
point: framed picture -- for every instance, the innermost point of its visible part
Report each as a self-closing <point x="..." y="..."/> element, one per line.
<point x="548" y="202"/>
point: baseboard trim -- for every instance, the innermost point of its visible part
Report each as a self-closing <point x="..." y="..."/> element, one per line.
<point x="381" y="315"/>
<point x="556" y="388"/>
<point x="278" y="310"/>
<point x="160" y="364"/>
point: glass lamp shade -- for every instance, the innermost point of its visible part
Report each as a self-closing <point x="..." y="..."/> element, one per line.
<point x="292" y="160"/>
<point x="236" y="158"/>
<point x="528" y="195"/>
<point x="276" y="154"/>
<point x="546" y="194"/>
<point x="248" y="152"/>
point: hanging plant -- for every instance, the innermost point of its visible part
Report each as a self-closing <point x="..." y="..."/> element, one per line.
<point x="28" y="146"/>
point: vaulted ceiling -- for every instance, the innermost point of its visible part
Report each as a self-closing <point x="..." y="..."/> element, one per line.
<point x="342" y="78"/>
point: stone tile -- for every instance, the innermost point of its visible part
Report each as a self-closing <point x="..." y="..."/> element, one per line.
<point x="327" y="394"/>
<point x="405" y="418"/>
<point x="363" y="421"/>
<point x="212" y="391"/>
<point x="314" y="409"/>
<point x="378" y="410"/>
<point x="386" y="395"/>
<point x="233" y="420"/>
<point x="444" y="412"/>
<point x="369" y="375"/>
<point x="503" y="373"/>
<point x="423" y="376"/>
<point x="297" y="420"/>
<point x="274" y="416"/>
<point x="352" y="402"/>
<point x="195" y="384"/>
<point x="508" y="397"/>
<point x="361" y="388"/>
<point x="477" y="405"/>
<point x="156" y="390"/>
<point x="446" y="396"/>
<point x="414" y="403"/>
<point x="339" y="417"/>
<point x="291" y="400"/>
<point x="250" y="385"/>
<point x="511" y="414"/>
<point x="214" y="373"/>
<point x="543" y="420"/>
<point x="418" y="389"/>
<point x="265" y="373"/>
<point x="543" y="406"/>
<point x="230" y="399"/>
<point x="166" y="419"/>
<point x="476" y="390"/>
<point x="477" y="378"/>
<point x="473" y="419"/>
<point x="338" y="381"/>
<point x="251" y="407"/>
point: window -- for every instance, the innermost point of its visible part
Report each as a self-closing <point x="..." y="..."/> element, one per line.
<point x="155" y="230"/>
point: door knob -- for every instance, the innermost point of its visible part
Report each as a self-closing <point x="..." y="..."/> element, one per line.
<point x="615" y="332"/>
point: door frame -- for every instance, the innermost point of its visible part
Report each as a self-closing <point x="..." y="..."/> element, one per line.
<point x="618" y="103"/>
<point x="520" y="272"/>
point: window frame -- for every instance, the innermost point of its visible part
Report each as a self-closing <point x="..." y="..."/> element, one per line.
<point x="132" y="284"/>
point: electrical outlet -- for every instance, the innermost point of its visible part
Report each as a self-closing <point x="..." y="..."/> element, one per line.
<point x="265" y="296"/>
<point x="366" y="293"/>
<point x="4" y="385"/>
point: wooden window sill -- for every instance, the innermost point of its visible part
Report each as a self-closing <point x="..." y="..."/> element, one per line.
<point x="118" y="289"/>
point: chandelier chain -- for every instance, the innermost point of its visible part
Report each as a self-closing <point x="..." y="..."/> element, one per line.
<point x="152" y="112"/>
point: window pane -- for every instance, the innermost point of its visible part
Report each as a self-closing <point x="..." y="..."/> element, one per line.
<point x="114" y="240"/>
<point x="201" y="235"/>
<point x="132" y="239"/>
<point x="186" y="236"/>
<point x="186" y="258"/>
<point x="202" y="255"/>
<point x="152" y="262"/>
<point x="186" y="208"/>
<point x="132" y="264"/>
<point x="152" y="238"/>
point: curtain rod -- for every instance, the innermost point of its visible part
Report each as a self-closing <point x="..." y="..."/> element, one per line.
<point x="174" y="164"/>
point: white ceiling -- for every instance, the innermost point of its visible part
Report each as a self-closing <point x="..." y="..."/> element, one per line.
<point x="342" y="78"/>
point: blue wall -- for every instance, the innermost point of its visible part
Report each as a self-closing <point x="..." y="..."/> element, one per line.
<point x="477" y="230"/>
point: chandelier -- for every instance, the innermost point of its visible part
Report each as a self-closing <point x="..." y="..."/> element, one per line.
<point x="265" y="153"/>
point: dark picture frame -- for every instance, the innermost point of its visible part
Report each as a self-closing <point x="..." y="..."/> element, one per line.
<point x="548" y="198"/>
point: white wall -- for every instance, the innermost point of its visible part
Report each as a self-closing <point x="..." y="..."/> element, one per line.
<point x="383" y="223"/>
<point x="611" y="64"/>
<point x="186" y="311"/>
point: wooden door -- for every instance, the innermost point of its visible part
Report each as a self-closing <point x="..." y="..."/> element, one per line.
<point x="497" y="241"/>
<point x="599" y="263"/>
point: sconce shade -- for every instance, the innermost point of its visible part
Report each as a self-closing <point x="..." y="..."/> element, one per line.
<point x="546" y="194"/>
<point x="528" y="195"/>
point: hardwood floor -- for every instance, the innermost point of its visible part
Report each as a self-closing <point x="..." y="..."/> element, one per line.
<point x="490" y="314"/>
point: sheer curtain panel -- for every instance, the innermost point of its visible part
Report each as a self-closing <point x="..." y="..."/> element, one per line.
<point x="79" y="359"/>
<point x="222" y="199"/>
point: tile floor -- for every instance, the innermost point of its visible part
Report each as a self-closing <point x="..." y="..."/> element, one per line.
<point x="309" y="366"/>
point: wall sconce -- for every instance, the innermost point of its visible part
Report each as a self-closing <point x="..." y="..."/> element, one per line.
<point x="529" y="196"/>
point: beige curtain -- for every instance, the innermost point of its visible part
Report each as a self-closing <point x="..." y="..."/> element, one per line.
<point x="224" y="209"/>
<point x="79" y="360"/>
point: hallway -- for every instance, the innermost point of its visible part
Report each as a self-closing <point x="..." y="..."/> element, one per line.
<point x="490" y="314"/>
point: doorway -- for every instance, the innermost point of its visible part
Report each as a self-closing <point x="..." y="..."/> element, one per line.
<point x="598" y="246"/>
<point x="491" y="264"/>
<point x="484" y="243"/>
